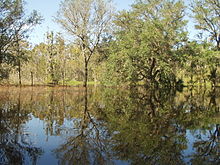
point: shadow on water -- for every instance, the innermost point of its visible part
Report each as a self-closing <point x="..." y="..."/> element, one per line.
<point x="109" y="126"/>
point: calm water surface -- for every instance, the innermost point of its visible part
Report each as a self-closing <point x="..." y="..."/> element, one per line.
<point x="102" y="126"/>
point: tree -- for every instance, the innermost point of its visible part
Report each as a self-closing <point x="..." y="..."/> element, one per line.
<point x="60" y="47"/>
<point x="206" y="14"/>
<point x="147" y="38"/>
<point x="87" y="21"/>
<point x="37" y="65"/>
<point x="195" y="62"/>
<point x="14" y="27"/>
<point x="20" y="49"/>
<point x="57" y="57"/>
<point x="52" y="53"/>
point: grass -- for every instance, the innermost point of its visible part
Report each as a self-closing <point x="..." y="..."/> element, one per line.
<point x="68" y="83"/>
<point x="75" y="83"/>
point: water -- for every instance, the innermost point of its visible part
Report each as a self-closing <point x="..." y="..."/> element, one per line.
<point x="109" y="126"/>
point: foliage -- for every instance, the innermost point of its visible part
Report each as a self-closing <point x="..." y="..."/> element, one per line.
<point x="88" y="21"/>
<point x="147" y="44"/>
<point x="206" y="14"/>
<point x="14" y="27"/>
<point x="146" y="41"/>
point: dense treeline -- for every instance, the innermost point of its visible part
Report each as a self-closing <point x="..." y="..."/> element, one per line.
<point x="148" y="44"/>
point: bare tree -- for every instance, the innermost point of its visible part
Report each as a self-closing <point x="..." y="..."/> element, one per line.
<point x="88" y="21"/>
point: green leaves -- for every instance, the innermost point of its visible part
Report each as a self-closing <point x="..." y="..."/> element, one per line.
<point x="206" y="14"/>
<point x="145" y="41"/>
<point x="14" y="28"/>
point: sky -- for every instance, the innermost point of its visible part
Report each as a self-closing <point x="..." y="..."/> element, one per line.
<point x="48" y="9"/>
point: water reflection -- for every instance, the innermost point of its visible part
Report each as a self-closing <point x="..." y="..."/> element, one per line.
<point x="109" y="126"/>
<point x="89" y="143"/>
<point x="15" y="144"/>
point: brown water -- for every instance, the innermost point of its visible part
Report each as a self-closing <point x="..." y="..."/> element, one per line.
<point x="109" y="126"/>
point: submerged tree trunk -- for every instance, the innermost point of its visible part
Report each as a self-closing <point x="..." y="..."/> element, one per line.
<point x="19" y="71"/>
<point x="86" y="74"/>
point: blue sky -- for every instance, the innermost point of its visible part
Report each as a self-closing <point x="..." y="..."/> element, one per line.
<point x="48" y="9"/>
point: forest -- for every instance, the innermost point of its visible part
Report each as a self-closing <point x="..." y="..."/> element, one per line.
<point x="124" y="87"/>
<point x="149" y="44"/>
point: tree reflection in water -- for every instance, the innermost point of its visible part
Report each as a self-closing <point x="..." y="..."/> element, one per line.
<point x="15" y="144"/>
<point x="151" y="126"/>
<point x="109" y="125"/>
<point x="207" y="144"/>
<point x="89" y="143"/>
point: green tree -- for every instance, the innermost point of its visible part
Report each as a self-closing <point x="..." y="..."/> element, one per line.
<point x="195" y="62"/>
<point x="61" y="51"/>
<point x="37" y="65"/>
<point x="146" y="40"/>
<point x="14" y="26"/>
<point x="87" y="21"/>
<point x="52" y="54"/>
<point x="21" y="56"/>
<point x="206" y="14"/>
<point x="57" y="56"/>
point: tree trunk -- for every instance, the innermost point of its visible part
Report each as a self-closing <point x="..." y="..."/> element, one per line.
<point x="63" y="79"/>
<point x="218" y="45"/>
<point x="19" y="71"/>
<point x="32" y="79"/>
<point x="153" y="64"/>
<point x="153" y="73"/>
<point x="191" y="79"/>
<point x="213" y="75"/>
<point x="214" y="83"/>
<point x="204" y="81"/>
<point x="86" y="74"/>
<point x="52" y="72"/>
<point x="1" y="56"/>
<point x="64" y="71"/>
